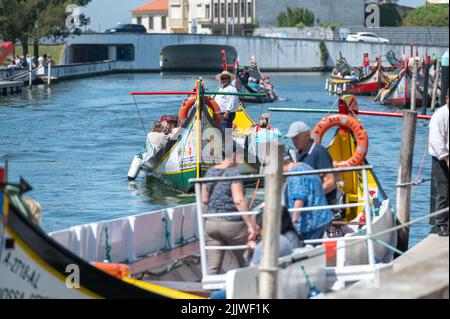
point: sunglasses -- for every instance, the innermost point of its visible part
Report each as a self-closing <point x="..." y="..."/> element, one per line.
<point x="225" y="78"/>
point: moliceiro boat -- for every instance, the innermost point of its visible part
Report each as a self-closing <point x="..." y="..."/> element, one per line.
<point x="189" y="153"/>
<point x="398" y="93"/>
<point x="249" y="79"/>
<point x="349" y="80"/>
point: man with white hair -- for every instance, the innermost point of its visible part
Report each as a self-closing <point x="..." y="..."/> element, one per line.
<point x="315" y="155"/>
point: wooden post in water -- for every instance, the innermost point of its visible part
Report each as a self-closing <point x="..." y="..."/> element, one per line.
<point x="49" y="76"/>
<point x="30" y="72"/>
<point x="435" y="86"/>
<point x="426" y="70"/>
<point x="404" y="175"/>
<point x="268" y="278"/>
<point x="414" y="86"/>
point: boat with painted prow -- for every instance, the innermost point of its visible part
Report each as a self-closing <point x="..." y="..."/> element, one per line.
<point x="189" y="152"/>
<point x="398" y="93"/>
<point x="351" y="80"/>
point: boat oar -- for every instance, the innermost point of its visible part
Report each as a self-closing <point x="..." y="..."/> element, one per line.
<point x="359" y="112"/>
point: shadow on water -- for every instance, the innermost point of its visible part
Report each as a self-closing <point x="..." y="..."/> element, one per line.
<point x="159" y="193"/>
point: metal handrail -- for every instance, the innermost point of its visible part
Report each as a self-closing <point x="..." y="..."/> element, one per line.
<point x="23" y="74"/>
<point x="307" y="209"/>
<point x="216" y="215"/>
<point x="258" y="176"/>
<point x="366" y="204"/>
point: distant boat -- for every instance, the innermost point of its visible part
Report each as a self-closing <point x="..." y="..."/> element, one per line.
<point x="249" y="79"/>
<point x="398" y="93"/>
<point x="352" y="81"/>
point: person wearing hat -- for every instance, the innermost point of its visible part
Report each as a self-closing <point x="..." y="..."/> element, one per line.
<point x="228" y="103"/>
<point x="439" y="150"/>
<point x="315" y="155"/>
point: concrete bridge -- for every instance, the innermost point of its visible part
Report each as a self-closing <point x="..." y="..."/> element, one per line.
<point x="145" y="52"/>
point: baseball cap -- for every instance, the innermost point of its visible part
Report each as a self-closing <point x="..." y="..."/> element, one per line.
<point x="297" y="128"/>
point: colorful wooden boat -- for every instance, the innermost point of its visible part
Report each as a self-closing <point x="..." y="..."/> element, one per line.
<point x="187" y="156"/>
<point x="266" y="93"/>
<point x="370" y="84"/>
<point x="398" y="93"/>
<point x="35" y="266"/>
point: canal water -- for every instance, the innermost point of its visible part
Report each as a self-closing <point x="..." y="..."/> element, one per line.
<point x="74" y="142"/>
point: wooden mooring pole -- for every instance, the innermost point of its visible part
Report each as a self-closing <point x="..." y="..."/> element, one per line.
<point x="435" y="86"/>
<point x="30" y="73"/>
<point x="49" y="78"/>
<point x="426" y="70"/>
<point x="404" y="176"/>
<point x="414" y="86"/>
<point x="268" y="278"/>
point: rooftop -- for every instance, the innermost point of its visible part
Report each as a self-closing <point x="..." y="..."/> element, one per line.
<point x="153" y="6"/>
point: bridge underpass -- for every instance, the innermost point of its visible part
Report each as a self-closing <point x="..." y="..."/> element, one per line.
<point x="195" y="57"/>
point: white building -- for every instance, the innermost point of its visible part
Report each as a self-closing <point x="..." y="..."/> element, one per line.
<point x="197" y="16"/>
<point x="153" y="16"/>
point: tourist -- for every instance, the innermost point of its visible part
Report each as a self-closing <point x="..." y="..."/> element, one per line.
<point x="366" y="64"/>
<point x="228" y="103"/>
<point x="438" y="148"/>
<point x="261" y="134"/>
<point x="315" y="155"/>
<point x="289" y="239"/>
<point x="306" y="191"/>
<point x="226" y="197"/>
<point x="245" y="75"/>
<point x="12" y="65"/>
<point x="156" y="140"/>
<point x="18" y="62"/>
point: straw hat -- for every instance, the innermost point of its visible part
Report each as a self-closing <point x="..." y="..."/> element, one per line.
<point x="231" y="75"/>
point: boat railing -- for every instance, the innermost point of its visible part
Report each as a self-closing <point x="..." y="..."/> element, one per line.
<point x="218" y="281"/>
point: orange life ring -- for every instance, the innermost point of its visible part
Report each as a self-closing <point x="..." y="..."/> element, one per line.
<point x="188" y="103"/>
<point x="350" y="123"/>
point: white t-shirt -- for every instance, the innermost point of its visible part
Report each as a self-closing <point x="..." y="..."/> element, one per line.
<point x="438" y="146"/>
<point x="227" y="102"/>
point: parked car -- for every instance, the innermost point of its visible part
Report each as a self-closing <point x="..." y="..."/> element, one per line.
<point x="366" y="37"/>
<point x="131" y="28"/>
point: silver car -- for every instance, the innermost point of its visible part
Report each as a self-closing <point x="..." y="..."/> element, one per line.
<point x="366" y="37"/>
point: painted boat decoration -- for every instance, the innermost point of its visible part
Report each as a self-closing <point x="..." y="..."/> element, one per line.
<point x="259" y="85"/>
<point x="398" y="93"/>
<point x="187" y="155"/>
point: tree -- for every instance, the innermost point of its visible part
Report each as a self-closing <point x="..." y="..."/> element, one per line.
<point x="430" y="15"/>
<point x="31" y="20"/>
<point x="297" y="17"/>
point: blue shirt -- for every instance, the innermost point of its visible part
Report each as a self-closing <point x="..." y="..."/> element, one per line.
<point x="309" y="189"/>
<point x="318" y="157"/>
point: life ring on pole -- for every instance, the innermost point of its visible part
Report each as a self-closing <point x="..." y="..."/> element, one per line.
<point x="190" y="102"/>
<point x="351" y="123"/>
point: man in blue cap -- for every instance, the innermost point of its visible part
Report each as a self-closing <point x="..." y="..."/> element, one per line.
<point x="315" y="155"/>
